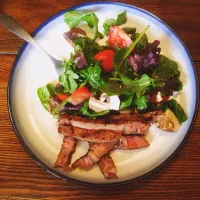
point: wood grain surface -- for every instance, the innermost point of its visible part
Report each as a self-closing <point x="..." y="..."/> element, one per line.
<point x="22" y="178"/>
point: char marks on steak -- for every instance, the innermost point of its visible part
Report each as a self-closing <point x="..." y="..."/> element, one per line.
<point x="85" y="162"/>
<point x="89" y="135"/>
<point x="107" y="167"/>
<point x="67" y="148"/>
<point x="130" y="142"/>
<point x="95" y="152"/>
<point x="152" y="117"/>
<point x="123" y="124"/>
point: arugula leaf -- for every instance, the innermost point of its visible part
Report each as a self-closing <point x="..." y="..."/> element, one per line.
<point x="176" y="108"/>
<point x="93" y="75"/>
<point x="90" y="113"/>
<point x="107" y="24"/>
<point x="68" y="65"/>
<point x="73" y="18"/>
<point x="51" y="88"/>
<point x="44" y="96"/>
<point x="59" y="89"/>
<point x="67" y="80"/>
<point x="123" y="53"/>
<point x="167" y="68"/>
<point x="114" y="88"/>
<point x="89" y="48"/>
<point x="142" y="44"/>
<point x="144" y="81"/>
<point x="64" y="82"/>
<point x="71" y="80"/>
<point x="121" y="19"/>
<point x="141" y="103"/>
<point x="136" y="86"/>
<point x="156" y="82"/>
<point x="125" y="102"/>
<point x="100" y="35"/>
<point x="142" y="84"/>
<point x="129" y="30"/>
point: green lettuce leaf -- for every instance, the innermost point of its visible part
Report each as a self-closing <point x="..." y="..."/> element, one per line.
<point x="121" y="19"/>
<point x="141" y="103"/>
<point x="67" y="80"/>
<point x="45" y="93"/>
<point x="92" y="74"/>
<point x="125" y="102"/>
<point x="166" y="69"/>
<point x="74" y="18"/>
<point x="85" y="110"/>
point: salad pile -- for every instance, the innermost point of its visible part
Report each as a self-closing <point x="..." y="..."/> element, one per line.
<point x="128" y="73"/>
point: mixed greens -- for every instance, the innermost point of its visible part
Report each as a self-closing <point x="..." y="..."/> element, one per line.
<point x="129" y="67"/>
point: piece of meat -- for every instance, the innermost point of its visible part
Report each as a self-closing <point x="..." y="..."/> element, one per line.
<point x="152" y="117"/>
<point x="95" y="152"/>
<point x="85" y="162"/>
<point x="123" y="124"/>
<point x="130" y="142"/>
<point x="67" y="149"/>
<point x="89" y="135"/>
<point x="107" y="167"/>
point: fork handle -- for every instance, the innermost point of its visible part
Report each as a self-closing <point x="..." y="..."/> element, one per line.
<point x="12" y="25"/>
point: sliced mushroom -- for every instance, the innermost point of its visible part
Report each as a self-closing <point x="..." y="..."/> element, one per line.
<point x="113" y="103"/>
<point x="168" y="122"/>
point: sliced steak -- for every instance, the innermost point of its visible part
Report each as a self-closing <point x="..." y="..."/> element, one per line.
<point x="107" y="167"/>
<point x="95" y="152"/>
<point x="85" y="162"/>
<point x="123" y="124"/>
<point x="89" y="135"/>
<point x="130" y="142"/>
<point x="67" y="149"/>
<point x="152" y="117"/>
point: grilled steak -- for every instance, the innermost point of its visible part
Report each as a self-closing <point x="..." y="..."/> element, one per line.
<point x="89" y="135"/>
<point x="95" y="152"/>
<point x="152" y="116"/>
<point x="123" y="124"/>
<point x="107" y="167"/>
<point x="67" y="148"/>
<point x="130" y="142"/>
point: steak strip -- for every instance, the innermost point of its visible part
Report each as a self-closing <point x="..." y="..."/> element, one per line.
<point x="95" y="152"/>
<point x="130" y="142"/>
<point x="89" y="135"/>
<point x="152" y="117"/>
<point x="125" y="142"/>
<point x="123" y="124"/>
<point x="67" y="149"/>
<point x="107" y="167"/>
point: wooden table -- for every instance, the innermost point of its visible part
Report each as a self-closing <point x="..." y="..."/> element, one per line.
<point x="22" y="178"/>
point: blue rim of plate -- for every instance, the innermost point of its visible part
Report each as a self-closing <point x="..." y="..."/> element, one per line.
<point x="23" y="143"/>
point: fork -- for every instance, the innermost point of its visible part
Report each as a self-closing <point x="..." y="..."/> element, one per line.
<point x="12" y="25"/>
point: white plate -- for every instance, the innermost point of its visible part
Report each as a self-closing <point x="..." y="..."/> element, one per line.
<point x="36" y="128"/>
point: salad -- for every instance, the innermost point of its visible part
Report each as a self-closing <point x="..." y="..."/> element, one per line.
<point x="109" y="94"/>
<point x="129" y="71"/>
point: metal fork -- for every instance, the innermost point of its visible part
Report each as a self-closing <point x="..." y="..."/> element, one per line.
<point x="12" y="25"/>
